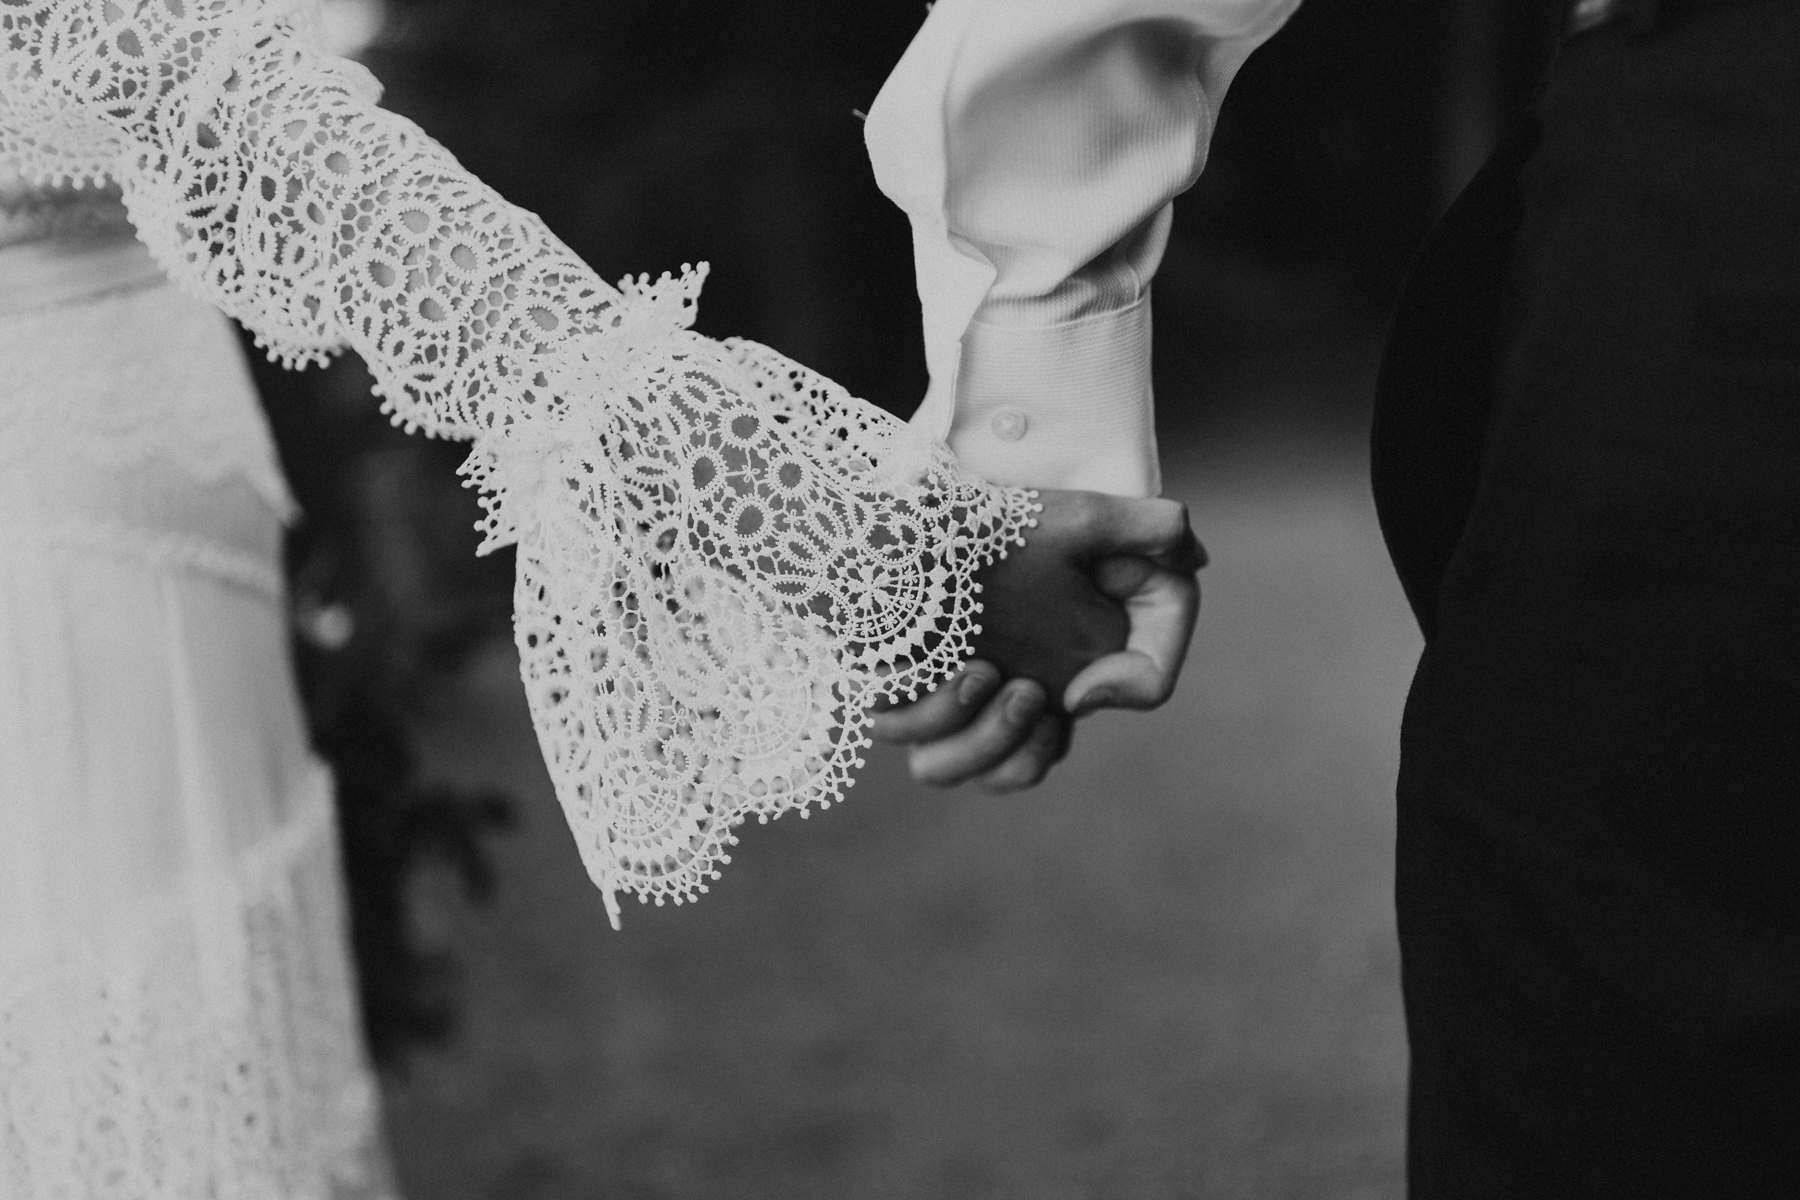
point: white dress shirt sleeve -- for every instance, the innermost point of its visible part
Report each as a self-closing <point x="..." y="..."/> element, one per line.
<point x="1036" y="146"/>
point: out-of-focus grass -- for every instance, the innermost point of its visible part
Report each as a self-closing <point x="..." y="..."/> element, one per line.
<point x="1170" y="972"/>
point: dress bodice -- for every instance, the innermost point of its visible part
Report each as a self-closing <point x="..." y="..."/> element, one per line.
<point x="103" y="413"/>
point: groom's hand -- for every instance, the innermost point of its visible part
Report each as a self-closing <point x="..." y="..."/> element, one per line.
<point x="1094" y="611"/>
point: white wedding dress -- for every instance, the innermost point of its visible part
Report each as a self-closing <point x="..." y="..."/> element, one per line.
<point x="722" y="561"/>
<point x="175" y="1001"/>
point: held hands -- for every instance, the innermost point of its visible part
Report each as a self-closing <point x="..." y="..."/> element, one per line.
<point x="1094" y="612"/>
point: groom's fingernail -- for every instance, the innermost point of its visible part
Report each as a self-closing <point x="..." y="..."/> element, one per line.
<point x="1097" y="698"/>
<point x="974" y="687"/>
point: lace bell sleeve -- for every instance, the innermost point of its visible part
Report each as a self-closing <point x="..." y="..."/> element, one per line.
<point x="723" y="558"/>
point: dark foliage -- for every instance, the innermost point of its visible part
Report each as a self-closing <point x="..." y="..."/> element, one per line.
<point x="387" y="600"/>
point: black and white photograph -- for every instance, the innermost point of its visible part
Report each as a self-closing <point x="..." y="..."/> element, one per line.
<point x="972" y="600"/>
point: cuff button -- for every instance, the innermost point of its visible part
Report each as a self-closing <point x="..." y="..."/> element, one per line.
<point x="1009" y="424"/>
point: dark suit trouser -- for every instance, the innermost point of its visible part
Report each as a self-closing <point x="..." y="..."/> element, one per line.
<point x="1587" y="461"/>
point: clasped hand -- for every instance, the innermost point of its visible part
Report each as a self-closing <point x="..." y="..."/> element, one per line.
<point x="1095" y="611"/>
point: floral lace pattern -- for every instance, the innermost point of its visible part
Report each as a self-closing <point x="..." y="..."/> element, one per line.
<point x="778" y="556"/>
<point x="722" y="558"/>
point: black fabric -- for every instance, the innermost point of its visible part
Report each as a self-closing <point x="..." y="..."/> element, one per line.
<point x="1599" y="822"/>
<point x="1639" y="16"/>
<point x="1436" y="381"/>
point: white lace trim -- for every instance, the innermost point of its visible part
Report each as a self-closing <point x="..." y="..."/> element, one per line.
<point x="33" y="214"/>
<point x="705" y="609"/>
<point x="722" y="557"/>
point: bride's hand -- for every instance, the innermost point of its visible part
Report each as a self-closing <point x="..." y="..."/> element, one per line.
<point x="1094" y="611"/>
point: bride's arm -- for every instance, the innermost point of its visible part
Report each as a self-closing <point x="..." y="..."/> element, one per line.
<point x="723" y="559"/>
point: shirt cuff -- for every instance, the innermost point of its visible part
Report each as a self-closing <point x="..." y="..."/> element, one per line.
<point x="1060" y="406"/>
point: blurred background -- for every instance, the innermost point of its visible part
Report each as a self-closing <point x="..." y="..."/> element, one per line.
<point x="1171" y="971"/>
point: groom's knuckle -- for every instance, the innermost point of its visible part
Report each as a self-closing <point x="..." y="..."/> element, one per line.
<point x="927" y="769"/>
<point x="1026" y="766"/>
<point x="1011" y="778"/>
<point x="1171" y="520"/>
<point x="1151" y="693"/>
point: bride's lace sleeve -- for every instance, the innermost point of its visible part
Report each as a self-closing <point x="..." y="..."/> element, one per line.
<point x="722" y="558"/>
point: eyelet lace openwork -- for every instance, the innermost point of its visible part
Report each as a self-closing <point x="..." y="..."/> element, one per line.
<point x="722" y="558"/>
